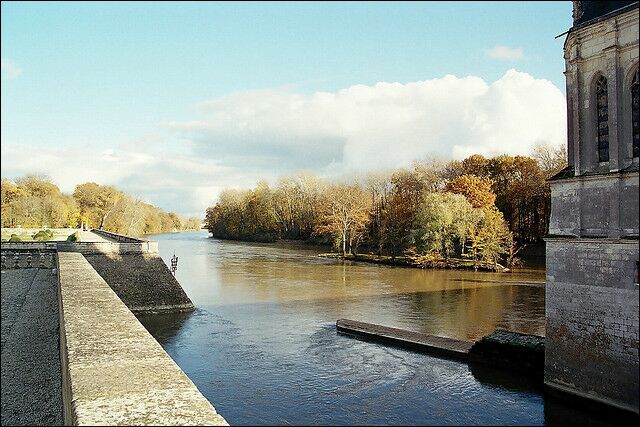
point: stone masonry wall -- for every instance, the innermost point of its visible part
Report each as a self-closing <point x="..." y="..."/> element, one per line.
<point x="608" y="48"/>
<point x="142" y="281"/>
<point x="599" y="205"/>
<point x="591" y="344"/>
<point x="114" y="372"/>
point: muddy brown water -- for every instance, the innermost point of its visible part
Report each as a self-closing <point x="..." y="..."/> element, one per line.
<point x="263" y="348"/>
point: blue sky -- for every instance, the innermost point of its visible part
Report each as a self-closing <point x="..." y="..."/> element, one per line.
<point x="141" y="84"/>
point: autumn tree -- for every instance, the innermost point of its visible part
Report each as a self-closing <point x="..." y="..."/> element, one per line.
<point x="477" y="190"/>
<point x="96" y="202"/>
<point x="345" y="215"/>
<point x="9" y="197"/>
<point x="489" y="237"/>
<point x="398" y="217"/>
<point x="551" y="159"/>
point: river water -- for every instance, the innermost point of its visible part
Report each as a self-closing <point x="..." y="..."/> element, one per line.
<point x="262" y="344"/>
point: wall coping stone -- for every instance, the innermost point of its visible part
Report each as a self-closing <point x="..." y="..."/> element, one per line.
<point x="114" y="371"/>
<point x="121" y="238"/>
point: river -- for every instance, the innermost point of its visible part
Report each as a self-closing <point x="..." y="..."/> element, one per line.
<point x="262" y="345"/>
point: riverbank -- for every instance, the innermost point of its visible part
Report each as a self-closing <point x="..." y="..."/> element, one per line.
<point x="403" y="261"/>
<point x="395" y="261"/>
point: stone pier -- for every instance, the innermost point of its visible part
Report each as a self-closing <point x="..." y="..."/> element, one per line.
<point x="73" y="350"/>
<point x="114" y="371"/>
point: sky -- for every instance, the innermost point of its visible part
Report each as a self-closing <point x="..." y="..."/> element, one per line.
<point x="173" y="102"/>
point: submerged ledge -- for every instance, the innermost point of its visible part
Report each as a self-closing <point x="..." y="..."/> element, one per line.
<point x="504" y="349"/>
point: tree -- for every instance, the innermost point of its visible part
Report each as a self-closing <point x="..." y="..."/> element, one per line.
<point x="550" y="159"/>
<point x="345" y="215"/>
<point x="398" y="217"/>
<point x="10" y="194"/>
<point x="477" y="190"/>
<point x="489" y="238"/>
<point x="96" y="202"/>
<point x="441" y="222"/>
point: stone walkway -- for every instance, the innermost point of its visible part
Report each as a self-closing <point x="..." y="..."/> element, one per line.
<point x="30" y="359"/>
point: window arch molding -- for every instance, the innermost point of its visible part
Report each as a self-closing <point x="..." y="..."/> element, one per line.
<point x="600" y="118"/>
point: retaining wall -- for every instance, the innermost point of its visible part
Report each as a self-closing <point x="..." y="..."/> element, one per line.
<point x="142" y="281"/>
<point x="114" y="371"/>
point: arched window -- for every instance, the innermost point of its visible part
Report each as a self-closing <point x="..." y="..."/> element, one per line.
<point x="635" y="111"/>
<point x="602" y="103"/>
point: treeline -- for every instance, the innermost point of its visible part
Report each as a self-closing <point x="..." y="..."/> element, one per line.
<point x="479" y="209"/>
<point x="36" y="202"/>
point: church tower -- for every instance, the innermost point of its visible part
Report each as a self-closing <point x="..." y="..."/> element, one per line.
<point x="592" y="246"/>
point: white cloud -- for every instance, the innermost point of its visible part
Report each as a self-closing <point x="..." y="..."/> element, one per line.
<point x="505" y="53"/>
<point x="173" y="181"/>
<point x="9" y="69"/>
<point x="243" y="137"/>
<point x="381" y="126"/>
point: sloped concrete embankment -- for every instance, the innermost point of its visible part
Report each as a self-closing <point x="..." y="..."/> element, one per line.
<point x="142" y="281"/>
<point x="114" y="371"/>
<point x="134" y="270"/>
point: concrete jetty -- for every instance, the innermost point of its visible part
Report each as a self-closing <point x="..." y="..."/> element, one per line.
<point x="414" y="340"/>
<point x="31" y="372"/>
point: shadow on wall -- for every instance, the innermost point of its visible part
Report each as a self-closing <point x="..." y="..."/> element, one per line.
<point x="142" y="281"/>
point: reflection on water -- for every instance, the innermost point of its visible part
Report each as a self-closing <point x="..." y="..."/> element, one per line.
<point x="262" y="345"/>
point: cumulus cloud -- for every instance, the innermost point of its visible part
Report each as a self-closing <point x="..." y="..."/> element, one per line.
<point x="380" y="126"/>
<point x="505" y="53"/>
<point x="9" y="69"/>
<point x="242" y="137"/>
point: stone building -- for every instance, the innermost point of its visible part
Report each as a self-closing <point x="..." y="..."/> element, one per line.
<point x="592" y="246"/>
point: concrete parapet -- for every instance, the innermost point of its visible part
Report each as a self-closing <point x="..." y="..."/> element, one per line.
<point x="134" y="270"/>
<point x="108" y="247"/>
<point x="121" y="238"/>
<point x="114" y="371"/>
<point x="28" y="246"/>
<point x="86" y="247"/>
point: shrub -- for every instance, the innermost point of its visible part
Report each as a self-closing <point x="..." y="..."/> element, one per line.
<point x="43" y="235"/>
<point x="14" y="238"/>
<point x="75" y="237"/>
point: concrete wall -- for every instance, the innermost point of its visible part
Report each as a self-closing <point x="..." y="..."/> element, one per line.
<point x="114" y="371"/>
<point x="592" y="319"/>
<point x="134" y="270"/>
<point x="108" y="247"/>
